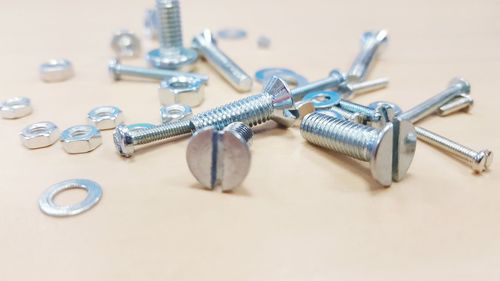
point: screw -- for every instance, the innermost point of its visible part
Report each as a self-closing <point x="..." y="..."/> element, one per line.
<point x="371" y="42"/>
<point x="334" y="79"/>
<point x="206" y="45"/>
<point x="220" y="157"/>
<point x="355" y="140"/>
<point x="463" y="101"/>
<point x="171" y="54"/>
<point x="117" y="70"/>
<point x="253" y="110"/>
<point x="348" y="90"/>
<point x="355" y="117"/>
<point x="479" y="161"/>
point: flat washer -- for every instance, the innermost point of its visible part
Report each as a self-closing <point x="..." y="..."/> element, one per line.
<point x="231" y="34"/>
<point x="49" y="207"/>
<point x="288" y="75"/>
<point x="323" y="99"/>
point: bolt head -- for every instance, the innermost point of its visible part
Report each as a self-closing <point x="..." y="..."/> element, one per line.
<point x="382" y="156"/>
<point x="462" y="83"/>
<point x="113" y="65"/>
<point x="482" y="161"/>
<point x="123" y="141"/>
<point x="183" y="60"/>
<point x="206" y="37"/>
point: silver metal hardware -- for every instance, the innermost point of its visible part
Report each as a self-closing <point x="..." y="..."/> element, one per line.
<point x="105" y="117"/>
<point x="175" y="112"/>
<point x="182" y="90"/>
<point x="290" y="76"/>
<point x="171" y="54"/>
<point x="38" y="135"/>
<point x="139" y="126"/>
<point x="371" y="42"/>
<point x="462" y="102"/>
<point x="206" y="45"/>
<point x="228" y="33"/>
<point x="151" y="24"/>
<point x="118" y="70"/>
<point x="252" y="110"/>
<point x="56" y="70"/>
<point x="264" y="42"/>
<point x="14" y="108"/>
<point x="220" y="157"/>
<point x="126" y="44"/>
<point x="49" y="207"/>
<point x="349" y="90"/>
<point x="81" y="139"/>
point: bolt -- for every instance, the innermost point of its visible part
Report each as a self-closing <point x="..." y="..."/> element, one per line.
<point x="118" y="70"/>
<point x="171" y="54"/>
<point x="220" y="157"/>
<point x="334" y="79"/>
<point x="456" y="87"/>
<point x="253" y="110"/>
<point x="371" y="42"/>
<point x="348" y="90"/>
<point x="355" y="117"/>
<point x="355" y="140"/>
<point x="479" y="161"/>
<point x="461" y="102"/>
<point x="206" y="45"/>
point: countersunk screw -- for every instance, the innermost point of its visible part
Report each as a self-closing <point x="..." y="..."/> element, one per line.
<point x="118" y="70"/>
<point x="355" y="140"/>
<point x="220" y="157"/>
<point x="171" y="54"/>
<point x="370" y="43"/>
<point x="206" y="45"/>
<point x="253" y="110"/>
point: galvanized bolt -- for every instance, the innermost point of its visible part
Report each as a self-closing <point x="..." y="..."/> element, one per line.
<point x="358" y="141"/>
<point x="118" y="70"/>
<point x="220" y="157"/>
<point x="462" y="102"/>
<point x="334" y="79"/>
<point x="371" y="43"/>
<point x="253" y="110"/>
<point x="349" y="90"/>
<point x="479" y="161"/>
<point x="206" y="45"/>
<point x="171" y="54"/>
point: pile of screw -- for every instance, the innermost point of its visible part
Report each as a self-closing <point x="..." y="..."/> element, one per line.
<point x="218" y="152"/>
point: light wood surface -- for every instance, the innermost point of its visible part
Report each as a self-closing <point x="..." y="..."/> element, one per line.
<point x="302" y="213"/>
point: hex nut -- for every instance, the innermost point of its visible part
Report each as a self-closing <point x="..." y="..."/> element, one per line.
<point x="182" y="90"/>
<point x="81" y="139"/>
<point x="56" y="70"/>
<point x="105" y="117"/>
<point x="175" y="112"/>
<point x="38" y="135"/>
<point x="126" y="44"/>
<point x="15" y="108"/>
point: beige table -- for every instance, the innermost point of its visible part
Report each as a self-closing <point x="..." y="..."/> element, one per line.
<point x="302" y="213"/>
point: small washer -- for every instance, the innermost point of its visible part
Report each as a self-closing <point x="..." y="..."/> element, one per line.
<point x="323" y="99"/>
<point x="49" y="207"/>
<point x="288" y="75"/>
<point x="56" y="70"/>
<point x="232" y="33"/>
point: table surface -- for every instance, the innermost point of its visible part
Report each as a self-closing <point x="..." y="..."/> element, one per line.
<point x="302" y="213"/>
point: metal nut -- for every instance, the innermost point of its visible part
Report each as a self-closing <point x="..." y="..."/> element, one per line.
<point x="182" y="90"/>
<point x="56" y="70"/>
<point x="105" y="117"/>
<point x="14" y="108"/>
<point x="38" y="135"/>
<point x="175" y="112"/>
<point x="126" y="44"/>
<point x="81" y="139"/>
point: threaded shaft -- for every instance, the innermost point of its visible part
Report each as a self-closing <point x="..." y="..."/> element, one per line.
<point x="351" y="116"/>
<point x="342" y="136"/>
<point x="241" y="129"/>
<point x="161" y="132"/>
<point x="251" y="111"/>
<point x="462" y="152"/>
<point x="329" y="82"/>
<point x="354" y="107"/>
<point x="170" y="29"/>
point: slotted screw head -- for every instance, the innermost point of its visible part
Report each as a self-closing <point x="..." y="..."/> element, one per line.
<point x="218" y="158"/>
<point x="122" y="140"/>
<point x="482" y="161"/>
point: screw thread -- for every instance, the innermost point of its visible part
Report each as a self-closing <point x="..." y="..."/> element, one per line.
<point x="354" y="107"/>
<point x="329" y="82"/>
<point x="241" y="129"/>
<point x="170" y="29"/>
<point x="161" y="132"/>
<point x="342" y="136"/>
<point x="462" y="152"/>
<point x="251" y="111"/>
